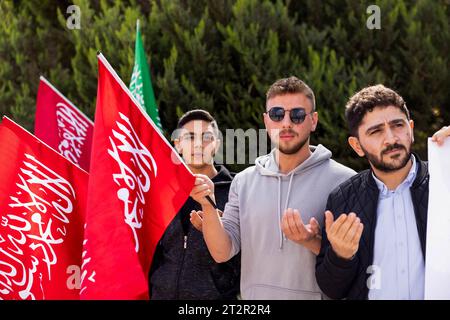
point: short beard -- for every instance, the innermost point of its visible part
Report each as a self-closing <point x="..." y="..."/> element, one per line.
<point x="381" y="165"/>
<point x="294" y="149"/>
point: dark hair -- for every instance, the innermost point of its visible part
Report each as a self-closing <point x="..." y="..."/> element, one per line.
<point x="198" y="114"/>
<point x="366" y="100"/>
<point x="291" y="85"/>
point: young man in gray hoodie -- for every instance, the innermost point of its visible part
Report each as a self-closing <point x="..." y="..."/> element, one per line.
<point x="275" y="208"/>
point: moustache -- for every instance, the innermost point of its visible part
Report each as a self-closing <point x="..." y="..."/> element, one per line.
<point x="393" y="147"/>
<point x="288" y="131"/>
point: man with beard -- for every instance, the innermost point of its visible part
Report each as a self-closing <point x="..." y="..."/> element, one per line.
<point x="373" y="243"/>
<point x="275" y="208"/>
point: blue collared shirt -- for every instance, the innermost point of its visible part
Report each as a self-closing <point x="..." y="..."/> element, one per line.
<point x="399" y="267"/>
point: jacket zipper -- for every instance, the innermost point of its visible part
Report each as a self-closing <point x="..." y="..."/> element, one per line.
<point x="181" y="267"/>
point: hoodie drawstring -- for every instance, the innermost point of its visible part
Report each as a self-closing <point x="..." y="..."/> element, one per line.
<point x="286" y="204"/>
<point x="279" y="212"/>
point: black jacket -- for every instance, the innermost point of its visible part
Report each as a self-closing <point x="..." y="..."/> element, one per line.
<point x="182" y="267"/>
<point x="339" y="278"/>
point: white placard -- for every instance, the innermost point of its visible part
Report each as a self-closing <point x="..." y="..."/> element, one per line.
<point x="437" y="268"/>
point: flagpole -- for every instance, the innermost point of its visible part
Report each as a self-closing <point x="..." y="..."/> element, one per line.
<point x="211" y="202"/>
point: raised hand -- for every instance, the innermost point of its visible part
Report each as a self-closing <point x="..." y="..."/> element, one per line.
<point x="203" y="187"/>
<point x="295" y="230"/>
<point x="344" y="234"/>
<point x="197" y="219"/>
<point x="440" y="135"/>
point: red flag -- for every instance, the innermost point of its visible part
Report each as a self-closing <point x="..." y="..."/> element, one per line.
<point x="137" y="185"/>
<point x="42" y="206"/>
<point x="61" y="125"/>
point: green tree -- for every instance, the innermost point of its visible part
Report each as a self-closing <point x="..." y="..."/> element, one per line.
<point x="31" y="44"/>
<point x="221" y="55"/>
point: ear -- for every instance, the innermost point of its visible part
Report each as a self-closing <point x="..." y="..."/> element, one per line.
<point x="266" y="119"/>
<point x="315" y="121"/>
<point x="411" y="125"/>
<point x="177" y="145"/>
<point x="356" y="146"/>
<point x="216" y="149"/>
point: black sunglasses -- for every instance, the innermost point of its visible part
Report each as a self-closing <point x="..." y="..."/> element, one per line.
<point x="297" y="115"/>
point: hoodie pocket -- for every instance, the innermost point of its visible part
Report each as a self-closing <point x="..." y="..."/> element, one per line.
<point x="267" y="292"/>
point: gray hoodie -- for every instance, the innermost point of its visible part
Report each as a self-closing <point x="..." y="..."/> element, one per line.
<point x="273" y="267"/>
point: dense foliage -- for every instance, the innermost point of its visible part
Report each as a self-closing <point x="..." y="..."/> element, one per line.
<point x="221" y="55"/>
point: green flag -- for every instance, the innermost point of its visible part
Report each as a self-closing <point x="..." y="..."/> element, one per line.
<point x="141" y="83"/>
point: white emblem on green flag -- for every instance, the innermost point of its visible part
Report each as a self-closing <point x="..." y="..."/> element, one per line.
<point x="141" y="83"/>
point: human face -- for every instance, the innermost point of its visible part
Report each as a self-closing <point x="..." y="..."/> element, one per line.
<point x="287" y="136"/>
<point x="385" y="136"/>
<point x="197" y="143"/>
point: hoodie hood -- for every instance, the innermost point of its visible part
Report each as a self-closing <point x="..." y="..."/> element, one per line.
<point x="223" y="176"/>
<point x="267" y="166"/>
